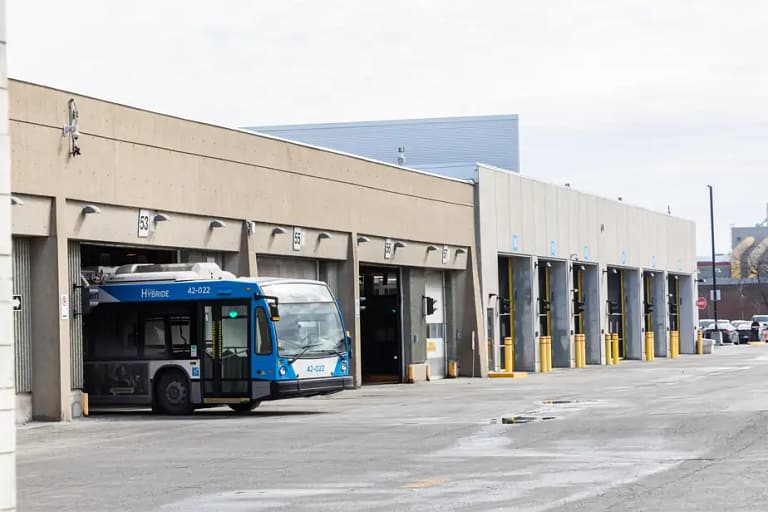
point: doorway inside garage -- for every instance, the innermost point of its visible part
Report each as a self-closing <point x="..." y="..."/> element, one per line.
<point x="99" y="258"/>
<point x="380" y="325"/>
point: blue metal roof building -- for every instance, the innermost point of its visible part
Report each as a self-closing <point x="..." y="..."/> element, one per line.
<point x="450" y="146"/>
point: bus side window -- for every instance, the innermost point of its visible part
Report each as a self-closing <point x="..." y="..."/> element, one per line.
<point x="262" y="343"/>
<point x="180" y="336"/>
<point x="154" y="338"/>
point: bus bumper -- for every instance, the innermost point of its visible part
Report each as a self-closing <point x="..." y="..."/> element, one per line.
<point x="310" y="387"/>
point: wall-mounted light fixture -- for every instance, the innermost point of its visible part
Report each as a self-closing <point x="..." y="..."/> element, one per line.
<point x="400" y="244"/>
<point x="582" y="268"/>
<point x="460" y="251"/>
<point x="91" y="208"/>
<point x="652" y="274"/>
<point x="324" y="235"/>
<point x="278" y="230"/>
<point x="431" y="248"/>
<point x="160" y="217"/>
<point x="216" y="223"/>
<point x="363" y="239"/>
<point x="16" y="201"/>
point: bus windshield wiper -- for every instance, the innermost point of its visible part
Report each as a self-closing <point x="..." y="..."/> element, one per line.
<point x="303" y="351"/>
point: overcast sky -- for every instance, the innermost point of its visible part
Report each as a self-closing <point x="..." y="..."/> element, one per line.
<point x="649" y="100"/>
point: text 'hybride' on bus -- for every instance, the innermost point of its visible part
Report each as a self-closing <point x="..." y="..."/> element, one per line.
<point x="185" y="336"/>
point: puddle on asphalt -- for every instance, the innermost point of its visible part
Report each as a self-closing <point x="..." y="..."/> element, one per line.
<point x="520" y="419"/>
<point x="566" y="402"/>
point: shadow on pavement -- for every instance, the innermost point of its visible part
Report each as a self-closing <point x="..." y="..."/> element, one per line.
<point x="203" y="414"/>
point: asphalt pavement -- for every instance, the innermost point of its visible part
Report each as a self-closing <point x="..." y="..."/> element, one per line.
<point x="676" y="435"/>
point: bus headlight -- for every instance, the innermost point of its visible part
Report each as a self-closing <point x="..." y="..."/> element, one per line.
<point x="281" y="371"/>
<point x="343" y="366"/>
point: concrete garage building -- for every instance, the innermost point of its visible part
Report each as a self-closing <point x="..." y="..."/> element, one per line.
<point x="97" y="184"/>
<point x="549" y="251"/>
<point x="137" y="186"/>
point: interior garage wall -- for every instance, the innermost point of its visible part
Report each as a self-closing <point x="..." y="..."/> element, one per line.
<point x="297" y="268"/>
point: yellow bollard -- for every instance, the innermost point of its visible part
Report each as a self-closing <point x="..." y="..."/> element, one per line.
<point x="608" y="350"/>
<point x="649" y="348"/>
<point x="652" y="345"/>
<point x="674" y="344"/>
<point x="699" y="342"/>
<point x="549" y="353"/>
<point x="615" y="347"/>
<point x="509" y="355"/>
<point x="580" y="344"/>
<point x="545" y="353"/>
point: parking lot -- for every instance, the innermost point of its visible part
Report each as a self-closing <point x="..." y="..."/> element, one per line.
<point x="684" y="434"/>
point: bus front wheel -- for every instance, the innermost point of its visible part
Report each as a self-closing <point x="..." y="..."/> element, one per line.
<point x="173" y="393"/>
<point x="244" y="407"/>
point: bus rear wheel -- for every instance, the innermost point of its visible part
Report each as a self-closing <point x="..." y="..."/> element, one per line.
<point x="172" y="393"/>
<point x="244" y="407"/>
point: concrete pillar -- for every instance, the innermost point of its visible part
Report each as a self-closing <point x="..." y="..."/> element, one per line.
<point x="605" y="324"/>
<point x="414" y="321"/>
<point x="592" y="314"/>
<point x="660" y="314"/>
<point x="525" y="325"/>
<point x="7" y="382"/>
<point x="466" y="314"/>
<point x="52" y="398"/>
<point x="349" y="302"/>
<point x="562" y="340"/>
<point x="687" y="315"/>
<point x="633" y="311"/>
<point x="243" y="263"/>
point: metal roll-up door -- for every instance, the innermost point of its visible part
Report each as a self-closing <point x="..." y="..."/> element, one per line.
<point x="75" y="318"/>
<point x="297" y="268"/>
<point x="22" y="319"/>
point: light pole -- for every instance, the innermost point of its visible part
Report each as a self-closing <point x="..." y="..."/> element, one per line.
<point x="714" y="273"/>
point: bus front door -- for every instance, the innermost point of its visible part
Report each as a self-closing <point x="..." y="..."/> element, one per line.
<point x="226" y="361"/>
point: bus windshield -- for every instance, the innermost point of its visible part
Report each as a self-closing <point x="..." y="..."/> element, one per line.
<point x="309" y="320"/>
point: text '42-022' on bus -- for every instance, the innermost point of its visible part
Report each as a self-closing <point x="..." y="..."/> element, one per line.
<point x="184" y="336"/>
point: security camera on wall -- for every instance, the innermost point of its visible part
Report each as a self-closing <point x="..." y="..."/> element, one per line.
<point x="72" y="128"/>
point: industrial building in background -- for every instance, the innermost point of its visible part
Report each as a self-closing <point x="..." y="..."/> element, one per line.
<point x="742" y="275"/>
<point x="450" y="146"/>
<point x="433" y="273"/>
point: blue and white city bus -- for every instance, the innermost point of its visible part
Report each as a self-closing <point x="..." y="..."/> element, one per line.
<point x="183" y="336"/>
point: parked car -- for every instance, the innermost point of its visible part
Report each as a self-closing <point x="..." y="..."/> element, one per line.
<point x="704" y="322"/>
<point x="763" y="319"/>
<point x="744" y="330"/>
<point x="730" y="334"/>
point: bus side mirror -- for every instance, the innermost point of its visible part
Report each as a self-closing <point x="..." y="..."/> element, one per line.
<point x="274" y="312"/>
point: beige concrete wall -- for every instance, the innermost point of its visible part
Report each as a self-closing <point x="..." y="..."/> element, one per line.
<point x="135" y="158"/>
<point x="7" y="395"/>
<point x="613" y="233"/>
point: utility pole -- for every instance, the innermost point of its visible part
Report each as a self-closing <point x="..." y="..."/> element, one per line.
<point x="714" y="270"/>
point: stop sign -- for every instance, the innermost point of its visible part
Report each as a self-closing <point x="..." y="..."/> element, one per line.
<point x="701" y="302"/>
